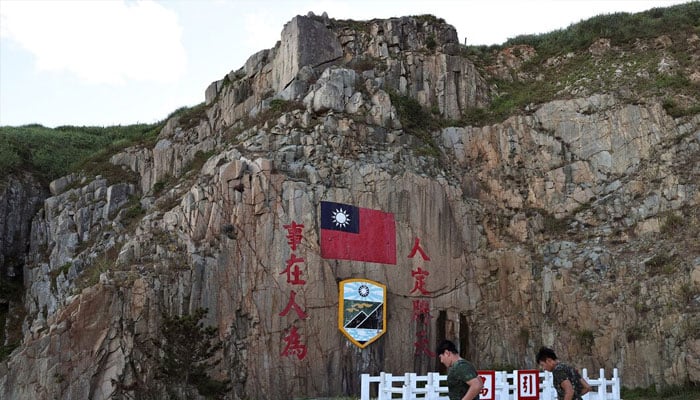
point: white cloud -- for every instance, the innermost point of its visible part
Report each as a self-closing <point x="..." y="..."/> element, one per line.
<point x="262" y="31"/>
<point x="263" y="25"/>
<point x="99" y="41"/>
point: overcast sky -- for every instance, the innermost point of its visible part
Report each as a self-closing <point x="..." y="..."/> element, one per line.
<point x="119" y="62"/>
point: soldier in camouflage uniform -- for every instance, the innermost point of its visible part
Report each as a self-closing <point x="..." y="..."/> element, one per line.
<point x="463" y="382"/>
<point x="567" y="380"/>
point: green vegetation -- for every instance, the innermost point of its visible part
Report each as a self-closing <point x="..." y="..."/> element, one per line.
<point x="51" y="153"/>
<point x="361" y="64"/>
<point x="690" y="328"/>
<point x="524" y="335"/>
<point x="635" y="333"/>
<point x="663" y="262"/>
<point x="161" y="184"/>
<point x="676" y="110"/>
<point x="685" y="392"/>
<point x="673" y="224"/>
<point x="623" y="29"/>
<point x="187" y="350"/>
<point x="586" y="338"/>
<point x="502" y="367"/>
<point x="641" y="308"/>
<point x="687" y="292"/>
<point x="277" y="107"/>
<point x="430" y="43"/>
<point x="562" y="64"/>
<point x="683" y="227"/>
<point x="419" y="122"/>
<point x="189" y="117"/>
<point x="357" y="26"/>
<point x="134" y="212"/>
<point x="429" y="19"/>
<point x="554" y="226"/>
<point x="200" y="157"/>
<point x="90" y="275"/>
<point x="56" y="273"/>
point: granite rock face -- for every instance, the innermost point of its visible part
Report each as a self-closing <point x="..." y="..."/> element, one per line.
<point x="571" y="226"/>
<point x="20" y="198"/>
<point x="414" y="57"/>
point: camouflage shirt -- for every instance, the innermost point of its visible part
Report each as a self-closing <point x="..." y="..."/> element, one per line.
<point x="563" y="372"/>
<point x="458" y="375"/>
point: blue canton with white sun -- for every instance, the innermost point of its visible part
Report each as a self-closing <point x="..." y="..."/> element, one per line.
<point x="341" y="218"/>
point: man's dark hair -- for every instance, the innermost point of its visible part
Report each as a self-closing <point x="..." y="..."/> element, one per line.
<point x="446" y="345"/>
<point x="545" y="353"/>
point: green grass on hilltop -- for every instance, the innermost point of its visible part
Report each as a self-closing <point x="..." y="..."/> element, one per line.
<point x="623" y="29"/>
<point x="50" y="153"/>
<point x="575" y="71"/>
<point x="687" y="392"/>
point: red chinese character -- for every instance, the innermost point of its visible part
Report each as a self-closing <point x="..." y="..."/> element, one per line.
<point x="421" y="344"/>
<point x="294" y="234"/>
<point x="421" y="311"/>
<point x="417" y="248"/>
<point x="293" y="347"/>
<point x="292" y="305"/>
<point x="484" y="390"/>
<point x="419" y="284"/>
<point x="293" y="272"/>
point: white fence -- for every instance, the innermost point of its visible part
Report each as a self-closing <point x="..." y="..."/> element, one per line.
<point x="411" y="386"/>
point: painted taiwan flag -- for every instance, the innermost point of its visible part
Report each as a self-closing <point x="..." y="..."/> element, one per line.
<point x="359" y="234"/>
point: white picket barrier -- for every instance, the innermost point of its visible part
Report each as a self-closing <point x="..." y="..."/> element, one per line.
<point x="601" y="386"/>
<point x="411" y="386"/>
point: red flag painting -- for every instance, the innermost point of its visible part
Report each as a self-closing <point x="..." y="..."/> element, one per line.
<point x="359" y="234"/>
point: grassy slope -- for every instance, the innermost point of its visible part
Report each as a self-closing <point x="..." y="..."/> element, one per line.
<point x="563" y="64"/>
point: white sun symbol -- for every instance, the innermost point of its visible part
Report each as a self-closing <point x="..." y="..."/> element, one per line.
<point x="363" y="290"/>
<point x="341" y="218"/>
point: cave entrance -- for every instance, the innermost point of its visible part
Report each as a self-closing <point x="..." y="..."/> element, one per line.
<point x="456" y="329"/>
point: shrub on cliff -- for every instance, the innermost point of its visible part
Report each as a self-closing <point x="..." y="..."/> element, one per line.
<point x="186" y="350"/>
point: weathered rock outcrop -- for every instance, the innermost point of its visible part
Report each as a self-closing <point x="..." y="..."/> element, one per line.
<point x="418" y="57"/>
<point x="21" y="195"/>
<point x="573" y="226"/>
<point x="20" y="198"/>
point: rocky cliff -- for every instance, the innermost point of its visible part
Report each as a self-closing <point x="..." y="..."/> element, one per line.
<point x="573" y="225"/>
<point x="21" y="196"/>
